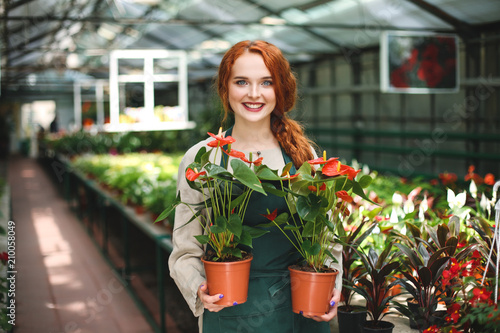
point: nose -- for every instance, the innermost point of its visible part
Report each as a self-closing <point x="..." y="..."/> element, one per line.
<point x="253" y="91"/>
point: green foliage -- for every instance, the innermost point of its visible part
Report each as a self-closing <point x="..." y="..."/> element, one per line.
<point x="143" y="179"/>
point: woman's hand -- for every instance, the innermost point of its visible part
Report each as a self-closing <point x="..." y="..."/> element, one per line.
<point x="334" y="302"/>
<point x="208" y="301"/>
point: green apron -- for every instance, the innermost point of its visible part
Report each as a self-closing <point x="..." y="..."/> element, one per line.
<point x="269" y="306"/>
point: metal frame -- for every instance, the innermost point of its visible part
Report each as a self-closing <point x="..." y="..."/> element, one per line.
<point x="148" y="77"/>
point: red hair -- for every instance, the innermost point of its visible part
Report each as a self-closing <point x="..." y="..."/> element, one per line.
<point x="288" y="132"/>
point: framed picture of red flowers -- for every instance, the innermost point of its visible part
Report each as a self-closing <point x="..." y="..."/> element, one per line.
<point x="416" y="62"/>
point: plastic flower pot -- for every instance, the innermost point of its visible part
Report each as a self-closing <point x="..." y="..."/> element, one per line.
<point x="229" y="279"/>
<point x="351" y="321"/>
<point x="381" y="327"/>
<point x="311" y="291"/>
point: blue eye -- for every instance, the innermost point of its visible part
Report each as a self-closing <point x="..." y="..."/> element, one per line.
<point x="241" y="82"/>
<point x="267" y="83"/>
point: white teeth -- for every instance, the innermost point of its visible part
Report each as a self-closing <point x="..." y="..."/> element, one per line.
<point x="253" y="106"/>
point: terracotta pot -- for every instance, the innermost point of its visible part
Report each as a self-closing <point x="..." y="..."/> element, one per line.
<point x="229" y="279"/>
<point x="311" y="292"/>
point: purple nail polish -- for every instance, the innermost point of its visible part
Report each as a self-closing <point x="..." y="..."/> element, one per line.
<point x="301" y="312"/>
<point x="235" y="303"/>
<point x="332" y="303"/>
<point x="220" y="296"/>
<point x="202" y="286"/>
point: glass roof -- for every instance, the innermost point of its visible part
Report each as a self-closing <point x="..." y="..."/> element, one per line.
<point x="44" y="37"/>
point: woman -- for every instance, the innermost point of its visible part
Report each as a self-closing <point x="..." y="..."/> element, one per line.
<point x="256" y="85"/>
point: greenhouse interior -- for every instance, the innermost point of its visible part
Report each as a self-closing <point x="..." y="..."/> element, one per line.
<point x="101" y="100"/>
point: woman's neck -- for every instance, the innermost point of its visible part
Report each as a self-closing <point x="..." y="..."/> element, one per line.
<point x="253" y="138"/>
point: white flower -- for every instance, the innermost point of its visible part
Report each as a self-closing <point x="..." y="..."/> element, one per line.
<point x="408" y="207"/>
<point x="397" y="199"/>
<point x="485" y="204"/>
<point x="456" y="201"/>
<point x="473" y="189"/>
<point x="394" y="216"/>
<point x="423" y="208"/>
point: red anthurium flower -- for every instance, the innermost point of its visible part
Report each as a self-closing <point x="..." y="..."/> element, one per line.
<point x="235" y="153"/>
<point x="271" y="216"/>
<point x="344" y="196"/>
<point x="258" y="161"/>
<point x="322" y="160"/>
<point x="192" y="175"/>
<point x="219" y="139"/>
<point x="332" y="168"/>
<point x="448" y="178"/>
<point x="489" y="179"/>
<point x="314" y="188"/>
<point x="349" y="171"/>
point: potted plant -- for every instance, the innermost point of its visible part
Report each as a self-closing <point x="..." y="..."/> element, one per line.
<point x="376" y="285"/>
<point x="351" y="318"/>
<point x="426" y="256"/>
<point x="318" y="202"/>
<point x="226" y="192"/>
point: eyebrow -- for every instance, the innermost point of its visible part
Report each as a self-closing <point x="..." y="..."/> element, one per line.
<point x="244" y="77"/>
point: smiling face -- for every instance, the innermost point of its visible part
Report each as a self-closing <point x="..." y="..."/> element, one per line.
<point x="251" y="90"/>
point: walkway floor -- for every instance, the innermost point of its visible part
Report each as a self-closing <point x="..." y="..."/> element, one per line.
<point x="63" y="284"/>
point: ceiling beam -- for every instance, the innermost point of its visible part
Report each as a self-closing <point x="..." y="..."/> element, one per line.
<point x="465" y="30"/>
<point x="201" y="23"/>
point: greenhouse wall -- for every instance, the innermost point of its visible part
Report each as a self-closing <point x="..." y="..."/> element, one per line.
<point x="405" y="134"/>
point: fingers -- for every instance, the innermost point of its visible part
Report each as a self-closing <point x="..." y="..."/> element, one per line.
<point x="332" y="313"/>
<point x="209" y="300"/>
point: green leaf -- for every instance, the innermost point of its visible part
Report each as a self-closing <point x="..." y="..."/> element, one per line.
<point x="282" y="218"/>
<point x="263" y="172"/>
<point x="271" y="189"/>
<point x="309" y="229"/>
<point x="245" y="238"/>
<point x="246" y="176"/>
<point x="291" y="227"/>
<point x="166" y="213"/>
<point x="216" y="171"/>
<point x="232" y="251"/>
<point x="312" y="249"/>
<point x="365" y="181"/>
<point x="203" y="239"/>
<point x="235" y="225"/>
<point x="254" y="232"/>
<point x="356" y="188"/>
<point x="237" y="201"/>
<point x="308" y="207"/>
<point x="202" y="156"/>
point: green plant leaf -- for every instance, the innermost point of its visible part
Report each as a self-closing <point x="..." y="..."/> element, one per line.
<point x="356" y="188"/>
<point x="254" y="232"/>
<point x="271" y="189"/>
<point x="365" y="181"/>
<point x="246" y="176"/>
<point x="166" y="213"/>
<point x="308" y="207"/>
<point x="311" y="249"/>
<point x="263" y="172"/>
<point x="235" y="225"/>
<point x="203" y="239"/>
